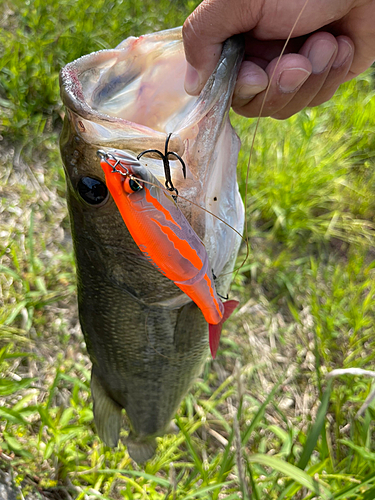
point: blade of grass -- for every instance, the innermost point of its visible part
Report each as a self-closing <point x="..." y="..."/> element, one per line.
<point x="316" y="428"/>
<point x="206" y="489"/>
<point x="351" y="490"/>
<point x="194" y="454"/>
<point x="312" y="439"/>
<point x="148" y="477"/>
<point x="258" y="416"/>
<point x="291" y="471"/>
<point x="31" y="244"/>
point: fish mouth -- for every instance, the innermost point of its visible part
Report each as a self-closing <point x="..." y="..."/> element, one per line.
<point x="131" y="96"/>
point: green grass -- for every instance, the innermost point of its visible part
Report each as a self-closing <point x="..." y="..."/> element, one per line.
<point x="263" y="421"/>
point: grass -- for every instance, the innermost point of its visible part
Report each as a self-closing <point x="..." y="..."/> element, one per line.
<point x="264" y="420"/>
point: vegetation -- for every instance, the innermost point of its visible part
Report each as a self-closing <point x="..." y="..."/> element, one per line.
<point x="264" y="420"/>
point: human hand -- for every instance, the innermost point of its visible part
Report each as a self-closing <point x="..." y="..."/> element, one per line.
<point x="313" y="66"/>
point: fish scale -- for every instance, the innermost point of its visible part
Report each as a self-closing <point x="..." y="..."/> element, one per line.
<point x="146" y="339"/>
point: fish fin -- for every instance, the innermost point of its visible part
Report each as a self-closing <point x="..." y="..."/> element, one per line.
<point x="140" y="450"/>
<point x="214" y="331"/>
<point x="107" y="413"/>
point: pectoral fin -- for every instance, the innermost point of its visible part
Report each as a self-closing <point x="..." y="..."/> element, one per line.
<point x="107" y="413"/>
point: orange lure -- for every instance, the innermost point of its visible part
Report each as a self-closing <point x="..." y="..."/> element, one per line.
<point x="165" y="237"/>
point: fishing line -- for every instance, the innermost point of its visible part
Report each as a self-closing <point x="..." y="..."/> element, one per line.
<point x="257" y="126"/>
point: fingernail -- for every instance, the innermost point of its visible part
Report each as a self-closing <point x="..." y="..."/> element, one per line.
<point x="320" y="54"/>
<point x="244" y="94"/>
<point x="191" y="79"/>
<point x="291" y="79"/>
<point x="248" y="91"/>
<point x="251" y="81"/>
<point x="239" y="101"/>
<point x="345" y="50"/>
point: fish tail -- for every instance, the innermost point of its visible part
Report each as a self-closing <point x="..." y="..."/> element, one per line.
<point x="214" y="331"/>
<point x="140" y="450"/>
<point x="107" y="413"/>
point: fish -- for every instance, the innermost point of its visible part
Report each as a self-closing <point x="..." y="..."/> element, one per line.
<point x="147" y="340"/>
<point x="165" y="237"/>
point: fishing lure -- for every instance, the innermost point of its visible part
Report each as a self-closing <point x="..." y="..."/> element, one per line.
<point x="164" y="236"/>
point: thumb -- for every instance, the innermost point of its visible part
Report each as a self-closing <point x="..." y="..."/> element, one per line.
<point x="205" y="30"/>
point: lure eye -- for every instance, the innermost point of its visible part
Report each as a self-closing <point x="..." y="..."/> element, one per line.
<point x="132" y="185"/>
<point x="92" y="191"/>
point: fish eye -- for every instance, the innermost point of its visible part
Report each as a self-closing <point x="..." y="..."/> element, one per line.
<point x="134" y="185"/>
<point x="92" y="191"/>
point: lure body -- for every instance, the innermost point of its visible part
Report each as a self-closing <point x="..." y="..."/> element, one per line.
<point x="165" y="237"/>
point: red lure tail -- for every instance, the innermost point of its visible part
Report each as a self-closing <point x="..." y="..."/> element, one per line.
<point x="214" y="331"/>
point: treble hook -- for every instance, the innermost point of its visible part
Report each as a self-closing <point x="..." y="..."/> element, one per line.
<point x="215" y="278"/>
<point x="167" y="169"/>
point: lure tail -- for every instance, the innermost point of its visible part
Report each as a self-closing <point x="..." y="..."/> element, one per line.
<point x="214" y="331"/>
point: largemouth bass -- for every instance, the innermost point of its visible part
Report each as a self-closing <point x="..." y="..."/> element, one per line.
<point x="146" y="339"/>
